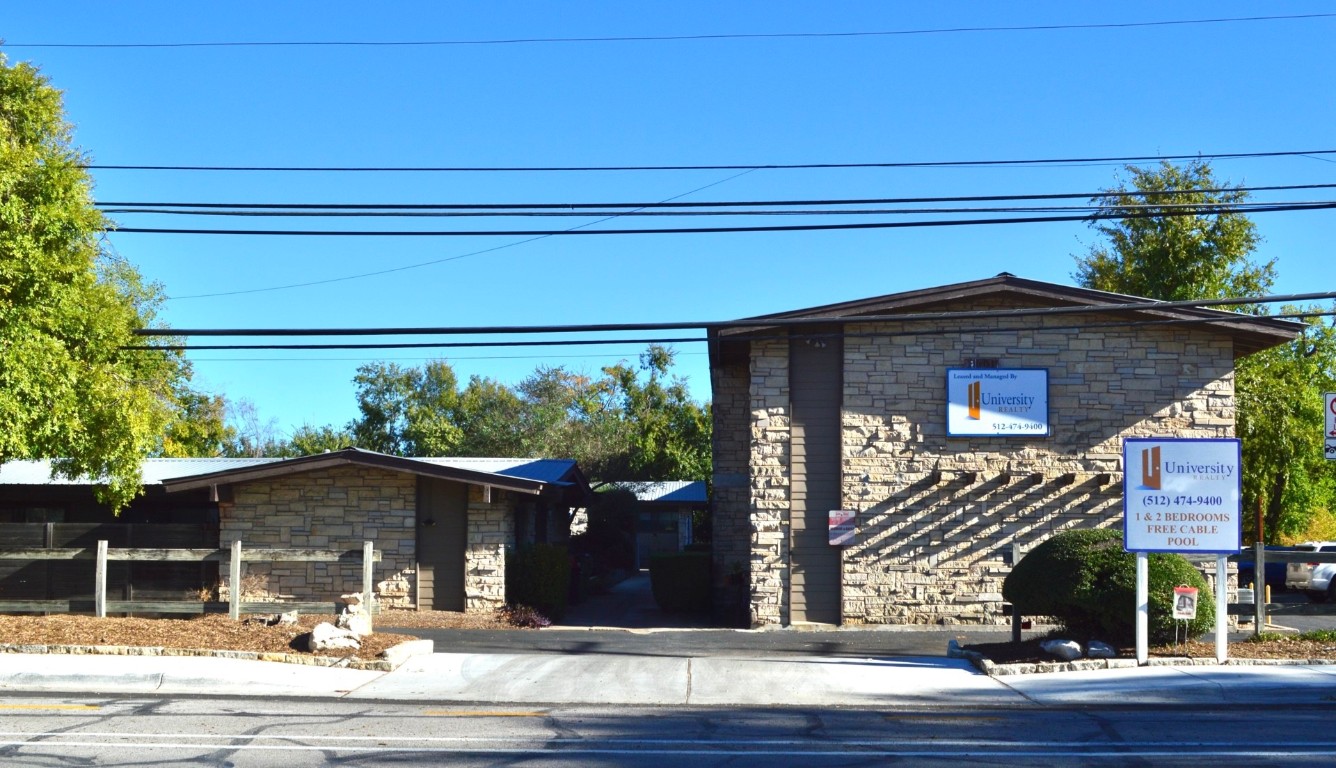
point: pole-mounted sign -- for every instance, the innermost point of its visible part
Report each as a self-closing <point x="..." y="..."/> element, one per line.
<point x="1182" y="495"/>
<point x="1330" y="431"/>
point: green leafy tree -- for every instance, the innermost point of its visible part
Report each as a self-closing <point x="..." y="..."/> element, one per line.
<point x="1209" y="255"/>
<point x="69" y="390"/>
<point x="488" y="415"/>
<point x="199" y="428"/>
<point x="307" y="440"/>
<point x="1152" y="251"/>
<point x="668" y="433"/>
<point x="407" y="411"/>
<point x="1280" y="421"/>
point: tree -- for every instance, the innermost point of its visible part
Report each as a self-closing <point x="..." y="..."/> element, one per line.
<point x="1154" y="253"/>
<point x="200" y="427"/>
<point x="307" y="440"/>
<point x="1206" y="256"/>
<point x="69" y="389"/>
<point x="407" y="411"/>
<point x="1280" y="421"/>
<point x="668" y="434"/>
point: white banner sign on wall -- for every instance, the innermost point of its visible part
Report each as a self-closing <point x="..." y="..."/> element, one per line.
<point x="996" y="402"/>
<point x="1182" y="495"/>
<point x="1331" y="425"/>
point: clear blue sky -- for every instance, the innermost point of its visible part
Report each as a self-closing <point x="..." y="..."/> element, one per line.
<point x="1249" y="86"/>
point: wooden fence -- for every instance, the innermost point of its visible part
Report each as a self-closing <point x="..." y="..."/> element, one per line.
<point x="235" y="557"/>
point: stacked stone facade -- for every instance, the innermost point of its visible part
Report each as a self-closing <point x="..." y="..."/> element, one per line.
<point x="339" y="509"/>
<point x="327" y="509"/>
<point x="939" y="517"/>
<point x="491" y="527"/>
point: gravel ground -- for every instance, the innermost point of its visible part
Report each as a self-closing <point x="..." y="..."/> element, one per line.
<point x="219" y="632"/>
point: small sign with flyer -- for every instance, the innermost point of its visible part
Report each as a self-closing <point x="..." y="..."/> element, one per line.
<point x="842" y="527"/>
<point x="1185" y="603"/>
<point x="1331" y="425"/>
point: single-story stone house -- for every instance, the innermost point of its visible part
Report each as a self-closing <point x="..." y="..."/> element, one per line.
<point x="842" y="423"/>
<point x="442" y="525"/>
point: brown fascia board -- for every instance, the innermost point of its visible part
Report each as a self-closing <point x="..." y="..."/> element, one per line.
<point x="353" y="456"/>
<point x="1251" y="333"/>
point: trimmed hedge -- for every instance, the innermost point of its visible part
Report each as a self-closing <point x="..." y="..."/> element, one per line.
<point x="539" y="576"/>
<point x="681" y="581"/>
<point x="1086" y="582"/>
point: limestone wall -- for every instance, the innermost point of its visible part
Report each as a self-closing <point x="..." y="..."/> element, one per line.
<point x="491" y="526"/>
<point x="770" y="476"/>
<point x="326" y="509"/>
<point x="938" y="516"/>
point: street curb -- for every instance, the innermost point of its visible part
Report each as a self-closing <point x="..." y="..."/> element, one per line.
<point x="991" y="669"/>
<point x="393" y="656"/>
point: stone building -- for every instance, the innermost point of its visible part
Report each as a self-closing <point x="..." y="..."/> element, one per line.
<point x="845" y="407"/>
<point x="442" y="525"/>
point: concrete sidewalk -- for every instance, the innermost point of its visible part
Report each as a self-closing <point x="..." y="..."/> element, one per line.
<point x="604" y="679"/>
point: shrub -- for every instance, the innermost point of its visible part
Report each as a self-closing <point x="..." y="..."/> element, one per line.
<point x="539" y="575"/>
<point x="1086" y="582"/>
<point x="524" y="617"/>
<point x="681" y="581"/>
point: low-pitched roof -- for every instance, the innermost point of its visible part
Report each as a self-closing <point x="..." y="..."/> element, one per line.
<point x="665" y="491"/>
<point x="1251" y="333"/>
<point x="531" y="476"/>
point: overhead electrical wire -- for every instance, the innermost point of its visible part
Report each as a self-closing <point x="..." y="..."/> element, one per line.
<point x="938" y="331"/>
<point x="726" y="167"/>
<point x="760" y="322"/>
<point x="680" y="38"/>
<point x="337" y="208"/>
<point x="1208" y="210"/>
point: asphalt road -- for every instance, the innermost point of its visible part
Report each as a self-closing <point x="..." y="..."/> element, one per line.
<point x="240" y="733"/>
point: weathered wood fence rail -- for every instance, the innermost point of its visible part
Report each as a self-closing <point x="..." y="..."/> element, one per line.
<point x="236" y="557"/>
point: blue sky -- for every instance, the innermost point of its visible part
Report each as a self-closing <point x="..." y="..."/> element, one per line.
<point x="1176" y="89"/>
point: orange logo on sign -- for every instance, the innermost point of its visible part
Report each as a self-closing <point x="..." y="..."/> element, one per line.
<point x="975" y="395"/>
<point x="1150" y="468"/>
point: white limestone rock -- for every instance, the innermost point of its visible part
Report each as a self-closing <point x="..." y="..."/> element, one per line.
<point x="327" y="637"/>
<point x="1067" y="650"/>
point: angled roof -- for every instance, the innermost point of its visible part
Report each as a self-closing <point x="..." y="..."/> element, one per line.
<point x="1251" y="333"/>
<point x="520" y="475"/>
<point x="665" y="491"/>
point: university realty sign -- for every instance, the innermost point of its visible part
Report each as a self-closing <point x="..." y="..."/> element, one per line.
<point x="1181" y="495"/>
<point x="996" y="402"/>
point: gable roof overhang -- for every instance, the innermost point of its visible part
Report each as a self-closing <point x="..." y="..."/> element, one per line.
<point x="361" y="458"/>
<point x="1250" y="333"/>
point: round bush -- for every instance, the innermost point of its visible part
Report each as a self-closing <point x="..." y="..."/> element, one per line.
<point x="1086" y="582"/>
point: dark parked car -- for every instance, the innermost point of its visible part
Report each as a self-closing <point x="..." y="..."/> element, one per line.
<point x="1275" y="569"/>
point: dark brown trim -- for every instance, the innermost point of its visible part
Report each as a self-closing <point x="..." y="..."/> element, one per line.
<point x="353" y="457"/>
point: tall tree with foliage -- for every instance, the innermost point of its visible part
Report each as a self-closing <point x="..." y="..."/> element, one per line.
<point x="1152" y="252"/>
<point x="1280" y="421"/>
<point x="69" y="391"/>
<point x="1157" y="253"/>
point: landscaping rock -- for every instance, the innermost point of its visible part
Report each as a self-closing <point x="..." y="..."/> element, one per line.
<point x="1067" y="650"/>
<point x="326" y="637"/>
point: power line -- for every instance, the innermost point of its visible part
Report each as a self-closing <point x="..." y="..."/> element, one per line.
<point x="673" y="203"/>
<point x="1162" y="208"/>
<point x="935" y="331"/>
<point x="677" y="38"/>
<point x="753" y="322"/>
<point x="730" y="167"/>
<point x="1210" y="210"/>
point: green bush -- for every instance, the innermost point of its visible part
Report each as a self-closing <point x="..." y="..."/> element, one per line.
<point x="539" y="576"/>
<point x="681" y="581"/>
<point x="1086" y="582"/>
